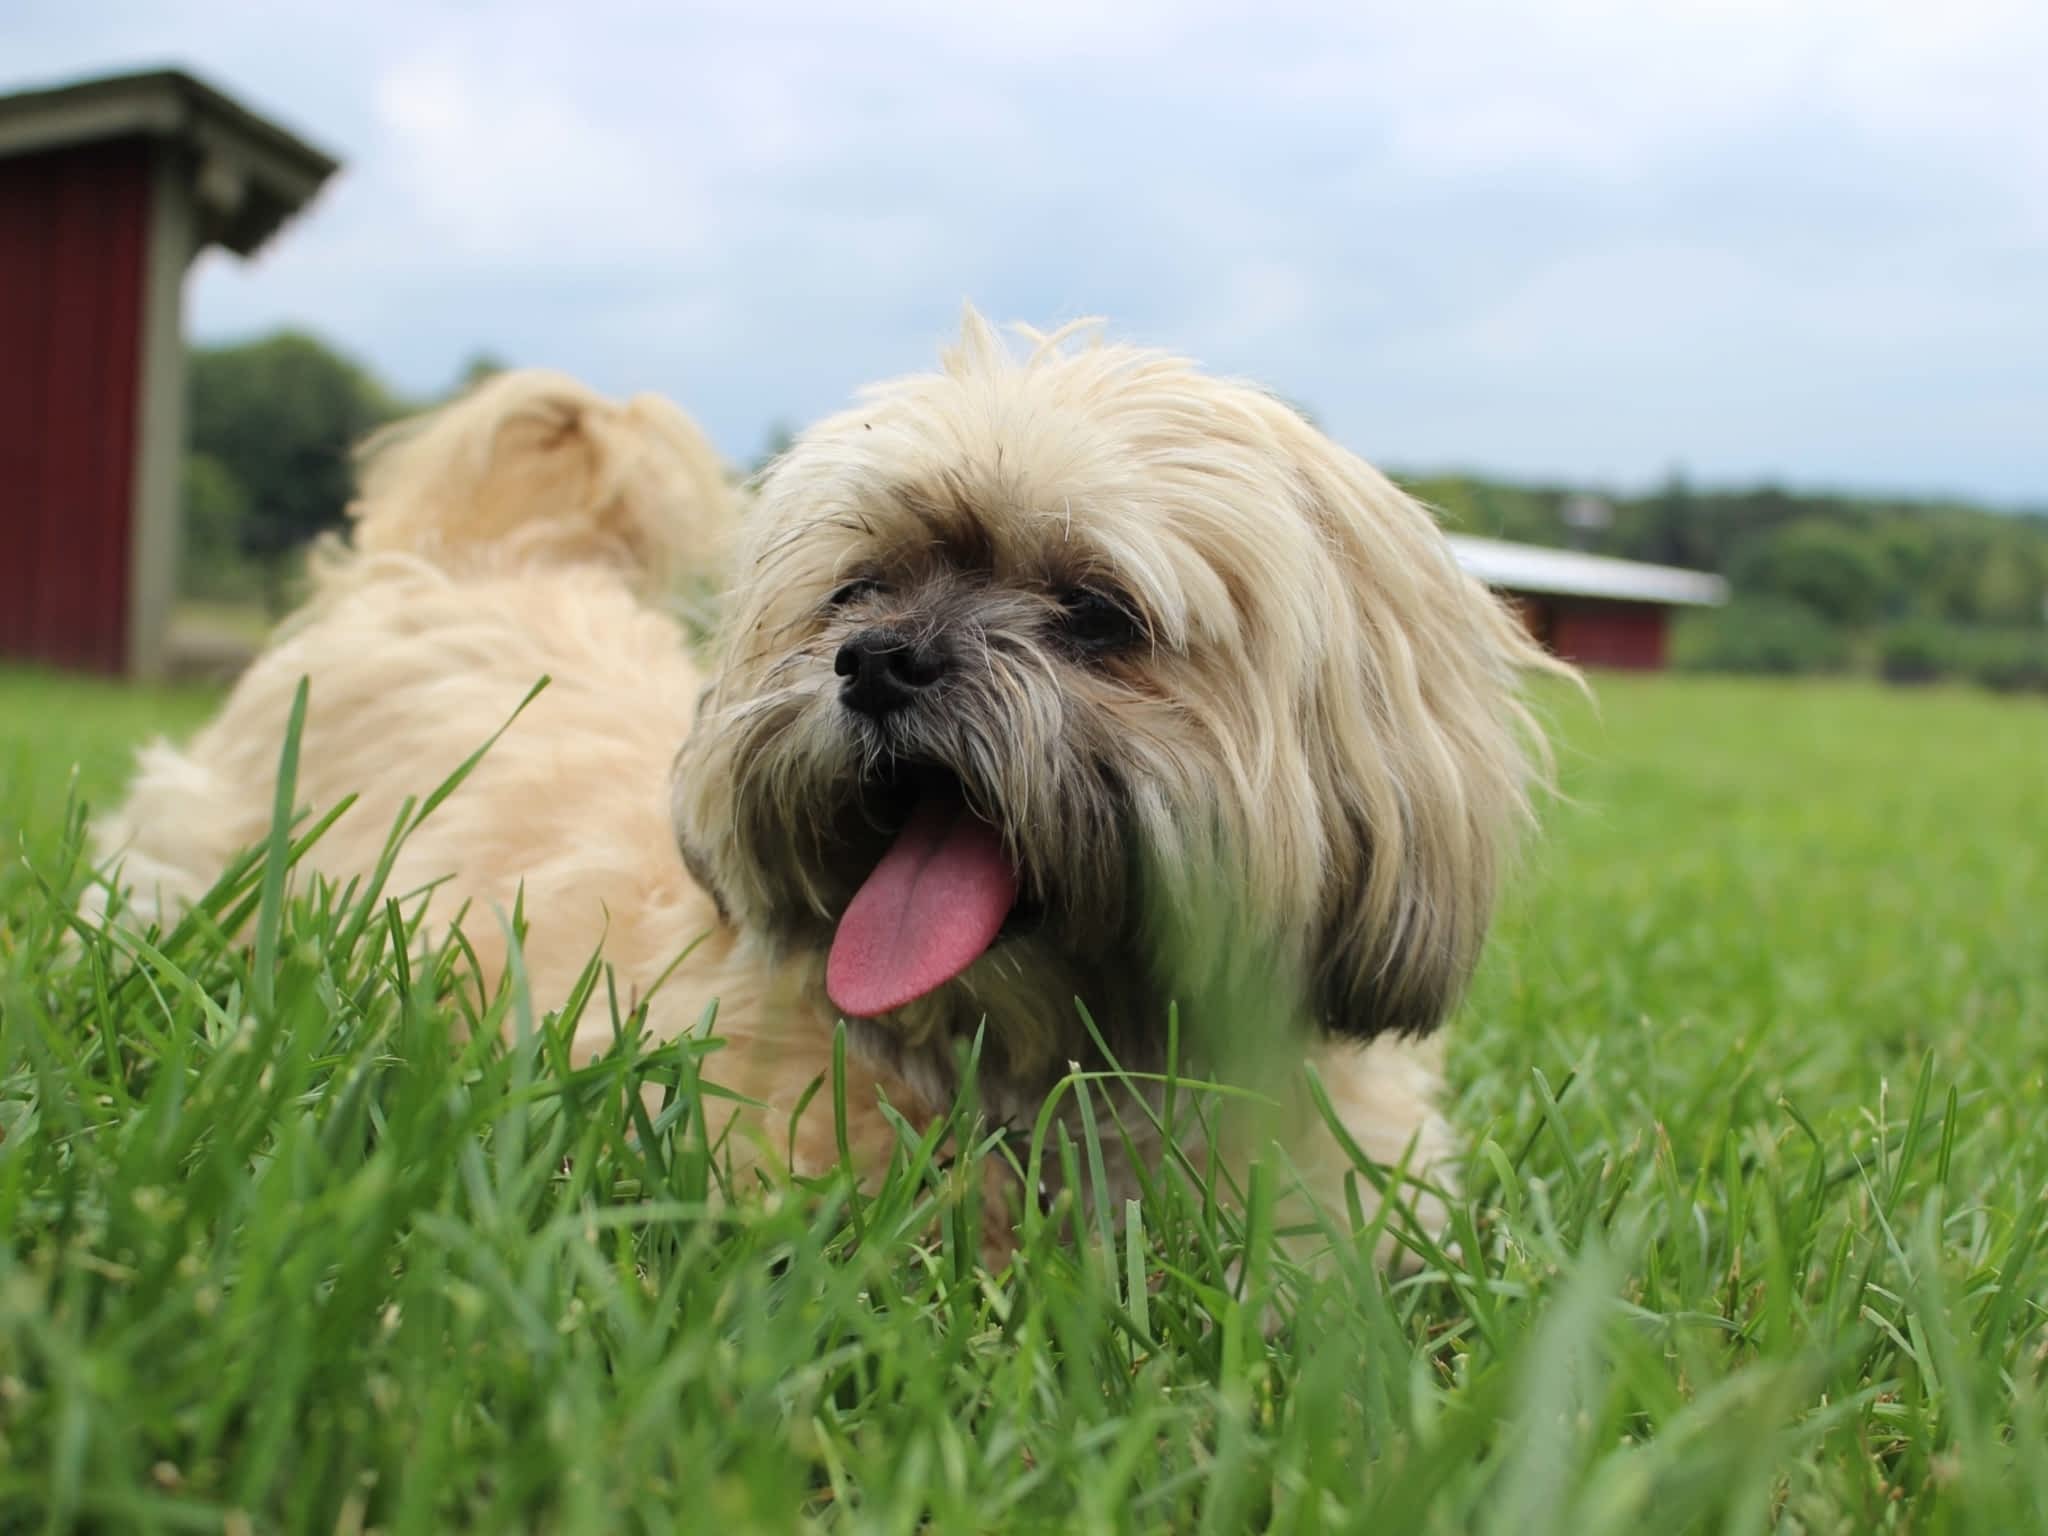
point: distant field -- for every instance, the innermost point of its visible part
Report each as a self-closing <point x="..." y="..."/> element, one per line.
<point x="51" y="726"/>
<point x="1755" y="1079"/>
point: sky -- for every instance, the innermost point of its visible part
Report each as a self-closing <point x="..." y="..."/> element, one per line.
<point x="1590" y="241"/>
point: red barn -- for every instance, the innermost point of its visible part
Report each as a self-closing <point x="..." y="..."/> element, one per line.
<point x="108" y="191"/>
<point x="1590" y="609"/>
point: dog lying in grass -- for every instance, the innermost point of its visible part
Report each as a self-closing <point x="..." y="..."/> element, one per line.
<point x="1071" y="710"/>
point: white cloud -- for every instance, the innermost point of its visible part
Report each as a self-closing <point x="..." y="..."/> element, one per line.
<point x="1587" y="236"/>
<point x="494" y="165"/>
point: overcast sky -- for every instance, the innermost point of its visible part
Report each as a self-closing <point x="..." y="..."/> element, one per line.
<point x="1583" y="239"/>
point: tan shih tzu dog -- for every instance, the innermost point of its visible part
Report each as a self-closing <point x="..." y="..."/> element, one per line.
<point x="1050" y="693"/>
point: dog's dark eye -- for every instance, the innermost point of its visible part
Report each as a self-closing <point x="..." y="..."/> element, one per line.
<point x="1098" y="621"/>
<point x="853" y="591"/>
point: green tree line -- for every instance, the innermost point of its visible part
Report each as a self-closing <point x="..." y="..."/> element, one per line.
<point x="1910" y="588"/>
<point x="1913" y="589"/>
<point x="269" y="465"/>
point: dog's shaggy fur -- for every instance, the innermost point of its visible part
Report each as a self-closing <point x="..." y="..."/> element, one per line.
<point x="1250" y="739"/>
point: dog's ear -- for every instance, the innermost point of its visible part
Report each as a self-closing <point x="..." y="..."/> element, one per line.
<point x="1422" y="749"/>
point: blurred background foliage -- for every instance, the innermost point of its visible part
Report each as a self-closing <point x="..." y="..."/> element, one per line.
<point x="1912" y="590"/>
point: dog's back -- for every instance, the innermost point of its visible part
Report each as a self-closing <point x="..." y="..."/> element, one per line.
<point x="534" y="469"/>
<point x="532" y="528"/>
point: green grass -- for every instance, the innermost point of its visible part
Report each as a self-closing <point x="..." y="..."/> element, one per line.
<point x="1752" y="1238"/>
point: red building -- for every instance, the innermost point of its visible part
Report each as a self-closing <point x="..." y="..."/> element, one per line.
<point x="1590" y="609"/>
<point x="108" y="190"/>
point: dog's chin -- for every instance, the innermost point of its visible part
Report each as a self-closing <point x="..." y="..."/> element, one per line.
<point x="1013" y="1010"/>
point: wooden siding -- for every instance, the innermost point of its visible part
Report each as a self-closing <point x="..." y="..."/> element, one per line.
<point x="1593" y="632"/>
<point x="74" y="228"/>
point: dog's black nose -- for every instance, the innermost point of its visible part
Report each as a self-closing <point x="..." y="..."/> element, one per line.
<point x="885" y="670"/>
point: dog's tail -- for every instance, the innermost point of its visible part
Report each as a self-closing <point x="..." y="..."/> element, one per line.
<point x="530" y="467"/>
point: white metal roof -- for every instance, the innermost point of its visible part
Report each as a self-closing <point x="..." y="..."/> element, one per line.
<point x="1533" y="568"/>
<point x="249" y="174"/>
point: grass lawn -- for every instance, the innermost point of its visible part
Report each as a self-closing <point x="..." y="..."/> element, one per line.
<point x="1752" y="1235"/>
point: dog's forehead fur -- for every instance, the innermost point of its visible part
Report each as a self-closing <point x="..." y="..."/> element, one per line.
<point x="1062" y="468"/>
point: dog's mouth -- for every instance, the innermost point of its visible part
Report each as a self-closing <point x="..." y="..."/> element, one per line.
<point x="934" y="899"/>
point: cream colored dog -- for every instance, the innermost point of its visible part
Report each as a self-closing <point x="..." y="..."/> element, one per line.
<point x="1051" y="691"/>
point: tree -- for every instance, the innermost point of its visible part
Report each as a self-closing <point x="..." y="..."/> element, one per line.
<point x="2012" y="581"/>
<point x="214" y="509"/>
<point x="481" y="366"/>
<point x="1829" y="568"/>
<point x="1664" y="527"/>
<point x="282" y="416"/>
<point x="1492" y="508"/>
<point x="1758" y="634"/>
<point x="1907" y="551"/>
<point x="781" y="438"/>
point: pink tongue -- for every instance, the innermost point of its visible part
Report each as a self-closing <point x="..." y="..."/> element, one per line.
<point x="929" y="910"/>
